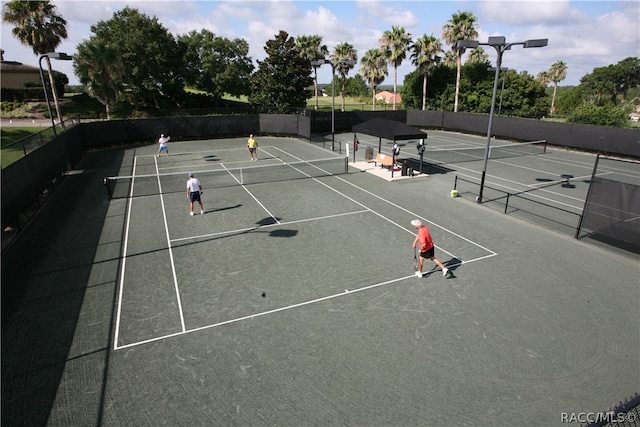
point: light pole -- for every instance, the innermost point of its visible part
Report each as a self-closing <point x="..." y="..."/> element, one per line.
<point x="333" y="95"/>
<point x="500" y="44"/>
<point x="55" y="55"/>
<point x="504" y="77"/>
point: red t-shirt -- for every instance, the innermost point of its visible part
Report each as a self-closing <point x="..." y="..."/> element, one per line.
<point x="424" y="239"/>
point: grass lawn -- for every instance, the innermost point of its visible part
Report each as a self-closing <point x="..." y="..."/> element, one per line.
<point x="10" y="153"/>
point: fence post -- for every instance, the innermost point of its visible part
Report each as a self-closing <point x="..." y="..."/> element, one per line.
<point x="586" y="200"/>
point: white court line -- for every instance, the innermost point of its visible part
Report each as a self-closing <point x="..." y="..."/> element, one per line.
<point x="125" y="245"/>
<point x="515" y="190"/>
<point x="396" y="206"/>
<point x="208" y="167"/>
<point x="534" y="195"/>
<point x="347" y="292"/>
<point x="173" y="264"/>
<point x="254" y="198"/>
<point x="248" y="229"/>
<point x="288" y="307"/>
<point x="217" y="150"/>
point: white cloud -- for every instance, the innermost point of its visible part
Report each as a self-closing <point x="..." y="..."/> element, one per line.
<point x="528" y="12"/>
<point x="583" y="34"/>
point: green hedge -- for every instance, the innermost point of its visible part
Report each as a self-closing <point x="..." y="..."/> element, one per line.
<point x="22" y="94"/>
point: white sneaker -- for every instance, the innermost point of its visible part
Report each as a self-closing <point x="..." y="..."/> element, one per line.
<point x="445" y="271"/>
<point x="201" y="212"/>
<point x="419" y="273"/>
<point x="191" y="213"/>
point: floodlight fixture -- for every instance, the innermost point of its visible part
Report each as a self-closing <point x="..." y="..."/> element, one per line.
<point x="59" y="55"/>
<point x="471" y="44"/>
<point x="497" y="41"/>
<point x="536" y="43"/>
<point x="319" y="62"/>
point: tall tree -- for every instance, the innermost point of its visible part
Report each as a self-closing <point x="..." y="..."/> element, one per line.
<point x="39" y="26"/>
<point x="543" y="78"/>
<point x="373" y="68"/>
<point x="557" y="73"/>
<point x="343" y="52"/>
<point x="153" y="63"/>
<point x="612" y="80"/>
<point x="283" y="77"/>
<point x="311" y="48"/>
<point x="100" y="68"/>
<point x="395" y="44"/>
<point x="215" y="64"/>
<point x="461" y="26"/>
<point x="426" y="56"/>
<point x="478" y="56"/>
<point x="450" y="59"/>
<point x="628" y="75"/>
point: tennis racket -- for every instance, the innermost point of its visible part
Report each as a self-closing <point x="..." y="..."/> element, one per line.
<point x="415" y="259"/>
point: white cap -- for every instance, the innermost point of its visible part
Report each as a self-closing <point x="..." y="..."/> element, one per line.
<point x="416" y="223"/>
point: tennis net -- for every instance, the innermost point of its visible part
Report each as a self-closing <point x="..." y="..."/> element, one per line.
<point x="495" y="152"/>
<point x="119" y="187"/>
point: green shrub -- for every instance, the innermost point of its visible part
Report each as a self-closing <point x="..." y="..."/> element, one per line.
<point x="590" y="114"/>
<point x="18" y="110"/>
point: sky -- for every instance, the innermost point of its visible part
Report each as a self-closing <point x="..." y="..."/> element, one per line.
<point x="582" y="34"/>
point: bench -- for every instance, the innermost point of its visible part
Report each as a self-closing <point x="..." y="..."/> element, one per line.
<point x="383" y="160"/>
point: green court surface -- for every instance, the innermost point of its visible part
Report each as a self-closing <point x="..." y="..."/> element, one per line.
<point x="294" y="301"/>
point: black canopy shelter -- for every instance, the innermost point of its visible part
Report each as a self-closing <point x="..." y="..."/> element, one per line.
<point x="388" y="129"/>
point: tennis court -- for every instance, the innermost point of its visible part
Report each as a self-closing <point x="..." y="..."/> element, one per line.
<point x="297" y="242"/>
<point x="541" y="184"/>
<point x="292" y="299"/>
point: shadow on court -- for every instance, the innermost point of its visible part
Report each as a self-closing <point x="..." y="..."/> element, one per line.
<point x="51" y="297"/>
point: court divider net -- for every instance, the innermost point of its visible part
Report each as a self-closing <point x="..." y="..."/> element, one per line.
<point x="495" y="152"/>
<point x="119" y="187"/>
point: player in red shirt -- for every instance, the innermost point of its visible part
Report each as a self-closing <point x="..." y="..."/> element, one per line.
<point x="427" y="249"/>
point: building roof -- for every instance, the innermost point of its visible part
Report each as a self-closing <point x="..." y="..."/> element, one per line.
<point x="389" y="129"/>
<point x="388" y="97"/>
<point x="17" y="67"/>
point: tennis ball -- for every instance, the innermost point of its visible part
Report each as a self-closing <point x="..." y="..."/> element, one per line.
<point x="454" y="193"/>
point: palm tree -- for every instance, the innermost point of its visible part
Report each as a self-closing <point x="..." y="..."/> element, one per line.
<point x="543" y="78"/>
<point x="344" y="52"/>
<point x="373" y="68"/>
<point x="461" y="26"/>
<point x="395" y="44"/>
<point x="557" y="73"/>
<point x="311" y="48"/>
<point x="450" y="58"/>
<point x="101" y="69"/>
<point x="426" y="56"/>
<point x="477" y="56"/>
<point x="38" y="26"/>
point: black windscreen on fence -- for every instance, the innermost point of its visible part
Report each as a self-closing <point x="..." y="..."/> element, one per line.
<point x="612" y="212"/>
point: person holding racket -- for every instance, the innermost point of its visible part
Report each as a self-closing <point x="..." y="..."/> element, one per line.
<point x="427" y="248"/>
<point x="194" y="189"/>
<point x="252" y="145"/>
<point x="162" y="141"/>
